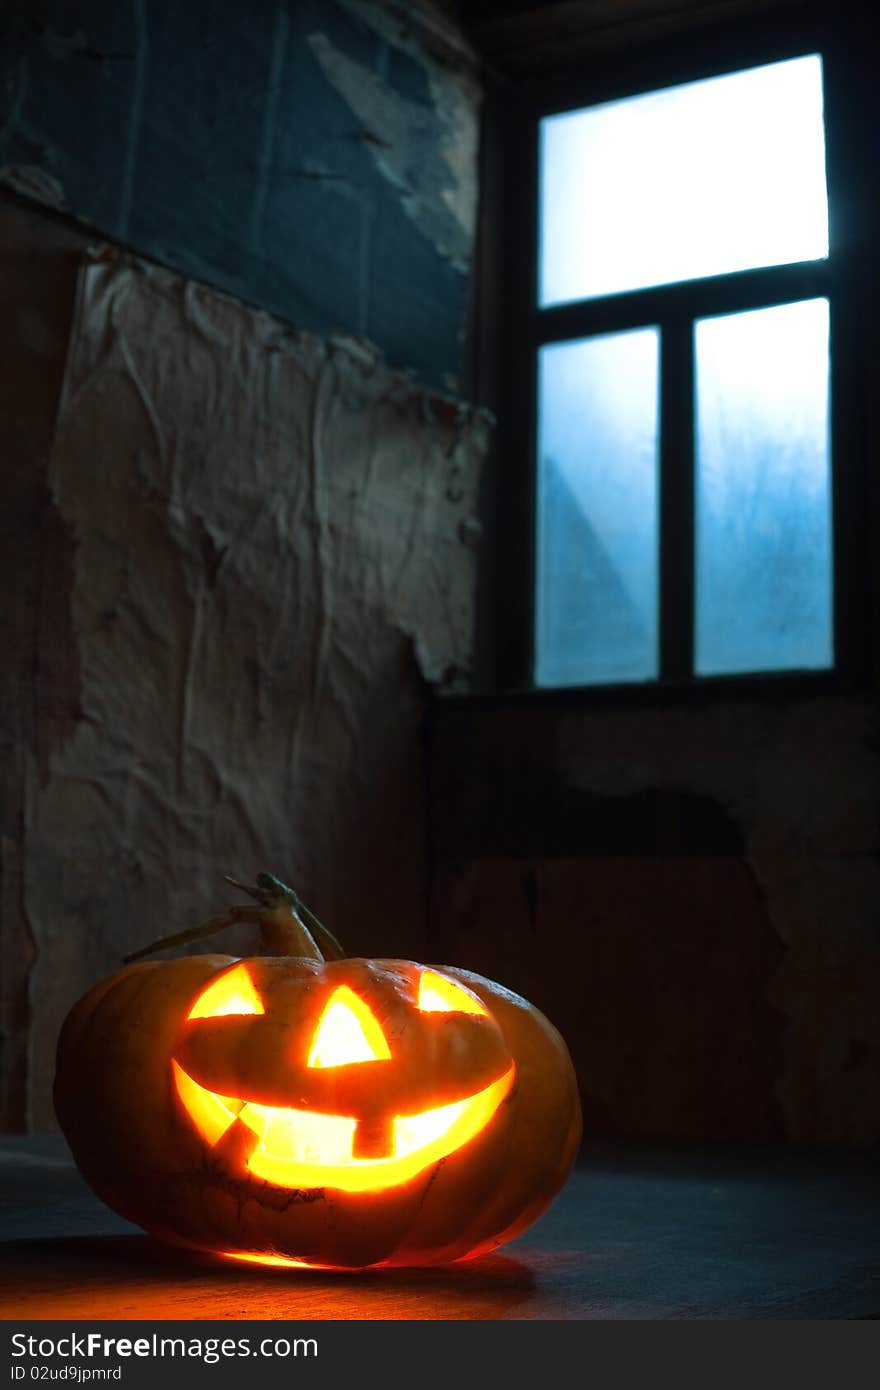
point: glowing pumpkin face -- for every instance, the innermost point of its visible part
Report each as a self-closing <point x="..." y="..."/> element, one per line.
<point x="343" y="1102"/>
<point x="300" y="1111"/>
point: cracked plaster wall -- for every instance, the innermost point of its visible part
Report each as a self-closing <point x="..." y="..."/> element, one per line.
<point x="691" y="896"/>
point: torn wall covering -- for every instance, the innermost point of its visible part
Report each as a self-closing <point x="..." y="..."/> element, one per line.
<point x="316" y="158"/>
<point x="262" y="534"/>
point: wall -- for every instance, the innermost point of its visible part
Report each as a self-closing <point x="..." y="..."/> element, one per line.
<point x="314" y="157"/>
<point x="38" y="269"/>
<point x="240" y="551"/>
<point x="690" y="889"/>
<point x="248" y="551"/>
<point x="690" y="894"/>
<point x="235" y="569"/>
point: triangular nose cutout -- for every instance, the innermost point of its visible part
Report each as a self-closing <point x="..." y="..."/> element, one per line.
<point x="347" y="1032"/>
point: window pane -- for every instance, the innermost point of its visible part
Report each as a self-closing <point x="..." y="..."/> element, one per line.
<point x="702" y="179"/>
<point x="596" y="618"/>
<point x="764" y="586"/>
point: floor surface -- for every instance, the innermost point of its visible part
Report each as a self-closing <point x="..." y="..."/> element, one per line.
<point x="639" y="1232"/>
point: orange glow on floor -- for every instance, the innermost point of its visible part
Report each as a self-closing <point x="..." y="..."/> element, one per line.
<point x="254" y="1257"/>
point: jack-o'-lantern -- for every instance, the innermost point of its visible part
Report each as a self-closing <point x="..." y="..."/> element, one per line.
<point x="292" y="1109"/>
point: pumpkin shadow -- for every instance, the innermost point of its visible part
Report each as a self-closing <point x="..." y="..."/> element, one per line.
<point x="134" y="1276"/>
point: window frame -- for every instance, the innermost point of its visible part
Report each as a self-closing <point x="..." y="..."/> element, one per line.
<point x="514" y="110"/>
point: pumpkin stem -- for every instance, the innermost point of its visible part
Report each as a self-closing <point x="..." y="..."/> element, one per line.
<point x="182" y="938"/>
<point x="281" y="904"/>
<point x="287" y="927"/>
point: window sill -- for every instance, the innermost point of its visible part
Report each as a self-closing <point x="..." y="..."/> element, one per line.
<point x="777" y="688"/>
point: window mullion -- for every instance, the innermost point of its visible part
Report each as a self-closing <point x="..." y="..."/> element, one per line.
<point x="677" y="516"/>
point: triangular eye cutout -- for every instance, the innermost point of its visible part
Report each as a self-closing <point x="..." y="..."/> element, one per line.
<point x="233" y="993"/>
<point x="437" y="994"/>
<point x="347" y="1032"/>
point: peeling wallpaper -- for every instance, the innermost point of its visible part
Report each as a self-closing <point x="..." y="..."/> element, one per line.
<point x="436" y="194"/>
<point x="259" y="548"/>
<point x="316" y="159"/>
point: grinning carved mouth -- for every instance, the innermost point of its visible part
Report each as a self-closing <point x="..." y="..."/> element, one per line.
<point x="302" y="1149"/>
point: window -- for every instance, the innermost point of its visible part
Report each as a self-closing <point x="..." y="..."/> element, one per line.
<point x="681" y="338"/>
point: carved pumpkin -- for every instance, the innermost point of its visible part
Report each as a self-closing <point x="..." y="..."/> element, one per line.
<point x="296" y="1110"/>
